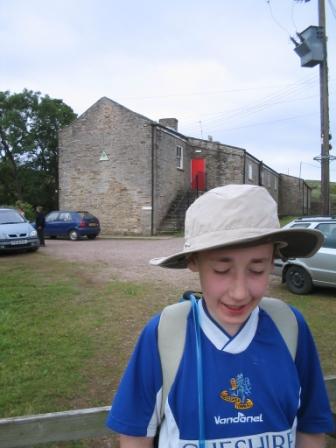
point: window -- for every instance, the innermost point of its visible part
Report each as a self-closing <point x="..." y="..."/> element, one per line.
<point x="269" y="181"/>
<point x="250" y="171"/>
<point x="300" y="225"/>
<point x="53" y="216"/>
<point x="179" y="157"/>
<point x="64" y="217"/>
<point x="329" y="232"/>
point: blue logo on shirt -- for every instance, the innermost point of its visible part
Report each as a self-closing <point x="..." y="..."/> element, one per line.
<point x="238" y="392"/>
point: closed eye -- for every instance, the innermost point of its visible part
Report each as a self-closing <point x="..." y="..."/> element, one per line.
<point x="221" y="272"/>
<point x="256" y="272"/>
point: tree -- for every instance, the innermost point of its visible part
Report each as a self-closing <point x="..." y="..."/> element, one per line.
<point x="29" y="125"/>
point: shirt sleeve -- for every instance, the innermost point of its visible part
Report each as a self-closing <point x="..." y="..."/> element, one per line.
<point x="314" y="414"/>
<point x="136" y="406"/>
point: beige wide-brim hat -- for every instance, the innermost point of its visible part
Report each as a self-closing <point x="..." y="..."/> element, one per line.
<point x="239" y="215"/>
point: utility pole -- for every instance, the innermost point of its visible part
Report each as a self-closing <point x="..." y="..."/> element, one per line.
<point x="312" y="49"/>
<point x="324" y="109"/>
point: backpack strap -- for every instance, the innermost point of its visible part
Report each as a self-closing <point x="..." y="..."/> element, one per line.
<point x="285" y="321"/>
<point x="172" y="333"/>
<point x="171" y="339"/>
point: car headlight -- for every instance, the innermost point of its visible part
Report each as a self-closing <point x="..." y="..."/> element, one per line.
<point x="33" y="233"/>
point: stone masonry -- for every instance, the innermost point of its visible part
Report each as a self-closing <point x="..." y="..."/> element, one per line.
<point x="294" y="198"/>
<point x="128" y="170"/>
<point x="104" y="163"/>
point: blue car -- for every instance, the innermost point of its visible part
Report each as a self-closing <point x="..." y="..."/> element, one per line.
<point x="72" y="225"/>
<point x="16" y="234"/>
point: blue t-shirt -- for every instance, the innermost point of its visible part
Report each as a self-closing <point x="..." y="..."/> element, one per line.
<point x="255" y="396"/>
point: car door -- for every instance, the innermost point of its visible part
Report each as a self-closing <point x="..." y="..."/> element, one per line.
<point x="65" y="223"/>
<point x="323" y="263"/>
<point x="51" y="224"/>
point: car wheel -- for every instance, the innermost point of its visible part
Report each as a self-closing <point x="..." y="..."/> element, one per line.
<point x="73" y="235"/>
<point x="298" y="280"/>
<point x="91" y="237"/>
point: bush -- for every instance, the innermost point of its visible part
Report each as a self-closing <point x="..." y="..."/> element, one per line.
<point x="26" y="209"/>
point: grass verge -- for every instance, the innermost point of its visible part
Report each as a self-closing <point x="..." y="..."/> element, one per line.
<point x="65" y="338"/>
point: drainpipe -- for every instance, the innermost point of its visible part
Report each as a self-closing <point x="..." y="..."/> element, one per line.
<point x="260" y="173"/>
<point x="244" y="168"/>
<point x="152" y="177"/>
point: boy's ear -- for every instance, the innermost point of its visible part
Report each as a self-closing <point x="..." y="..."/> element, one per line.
<point x="193" y="263"/>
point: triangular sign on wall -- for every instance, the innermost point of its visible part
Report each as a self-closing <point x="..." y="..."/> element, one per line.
<point x="104" y="156"/>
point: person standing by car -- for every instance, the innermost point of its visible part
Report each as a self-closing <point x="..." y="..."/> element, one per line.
<point x="40" y="224"/>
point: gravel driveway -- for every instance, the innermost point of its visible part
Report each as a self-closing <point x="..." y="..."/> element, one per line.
<point x="125" y="259"/>
<point x="128" y="259"/>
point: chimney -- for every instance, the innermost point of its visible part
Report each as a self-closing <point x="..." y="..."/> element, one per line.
<point x="171" y="123"/>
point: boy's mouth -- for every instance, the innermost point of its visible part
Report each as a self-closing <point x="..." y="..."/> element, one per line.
<point x="235" y="308"/>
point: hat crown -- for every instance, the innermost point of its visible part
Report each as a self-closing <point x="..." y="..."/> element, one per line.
<point x="240" y="208"/>
<point x="236" y="215"/>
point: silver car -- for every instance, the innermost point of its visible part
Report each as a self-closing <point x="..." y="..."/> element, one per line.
<point x="16" y="234"/>
<point x="301" y="274"/>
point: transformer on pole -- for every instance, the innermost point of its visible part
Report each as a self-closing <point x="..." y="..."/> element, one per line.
<point x="312" y="49"/>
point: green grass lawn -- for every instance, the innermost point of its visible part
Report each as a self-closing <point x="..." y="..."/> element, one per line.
<point x="65" y="338"/>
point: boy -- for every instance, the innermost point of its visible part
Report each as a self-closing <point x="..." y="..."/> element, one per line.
<point x="253" y="394"/>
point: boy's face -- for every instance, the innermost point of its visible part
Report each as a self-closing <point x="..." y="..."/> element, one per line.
<point x="233" y="281"/>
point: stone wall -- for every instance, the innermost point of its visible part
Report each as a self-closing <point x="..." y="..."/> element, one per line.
<point x="295" y="196"/>
<point x="270" y="180"/>
<point x="257" y="173"/>
<point x="170" y="179"/>
<point x="223" y="164"/>
<point x="252" y="170"/>
<point x="105" y="167"/>
<point x="123" y="167"/>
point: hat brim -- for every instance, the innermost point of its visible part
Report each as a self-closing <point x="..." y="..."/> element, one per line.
<point x="293" y="243"/>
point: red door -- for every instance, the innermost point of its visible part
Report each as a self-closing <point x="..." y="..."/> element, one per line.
<point x="198" y="174"/>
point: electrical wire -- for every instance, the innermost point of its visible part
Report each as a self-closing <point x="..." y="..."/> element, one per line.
<point x="292" y="17"/>
<point x="275" y="20"/>
<point x="260" y="123"/>
<point x="205" y="93"/>
<point x="281" y="97"/>
<point x="332" y="7"/>
<point x="219" y="125"/>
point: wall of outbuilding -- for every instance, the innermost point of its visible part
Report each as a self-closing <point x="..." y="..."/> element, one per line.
<point x="294" y="197"/>
<point x="169" y="179"/>
<point x="117" y="190"/>
<point x="223" y="164"/>
<point x="122" y="167"/>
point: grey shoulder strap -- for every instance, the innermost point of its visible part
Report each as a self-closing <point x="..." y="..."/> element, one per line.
<point x="285" y="321"/>
<point x="171" y="340"/>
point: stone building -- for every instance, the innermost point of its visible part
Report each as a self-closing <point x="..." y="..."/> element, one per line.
<point x="135" y="173"/>
<point x="294" y="204"/>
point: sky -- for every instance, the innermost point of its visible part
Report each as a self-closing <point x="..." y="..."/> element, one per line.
<point x="223" y="68"/>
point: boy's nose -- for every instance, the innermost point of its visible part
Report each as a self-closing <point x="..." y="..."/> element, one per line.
<point x="238" y="290"/>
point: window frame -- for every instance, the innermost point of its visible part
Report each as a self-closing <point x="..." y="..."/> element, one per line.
<point x="179" y="157"/>
<point x="250" y="171"/>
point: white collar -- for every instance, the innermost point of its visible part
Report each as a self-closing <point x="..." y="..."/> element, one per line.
<point x="221" y="340"/>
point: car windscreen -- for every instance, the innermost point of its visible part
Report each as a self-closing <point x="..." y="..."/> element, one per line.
<point x="10" y="217"/>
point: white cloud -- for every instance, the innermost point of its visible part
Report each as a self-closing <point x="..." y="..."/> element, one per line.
<point x="226" y="68"/>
